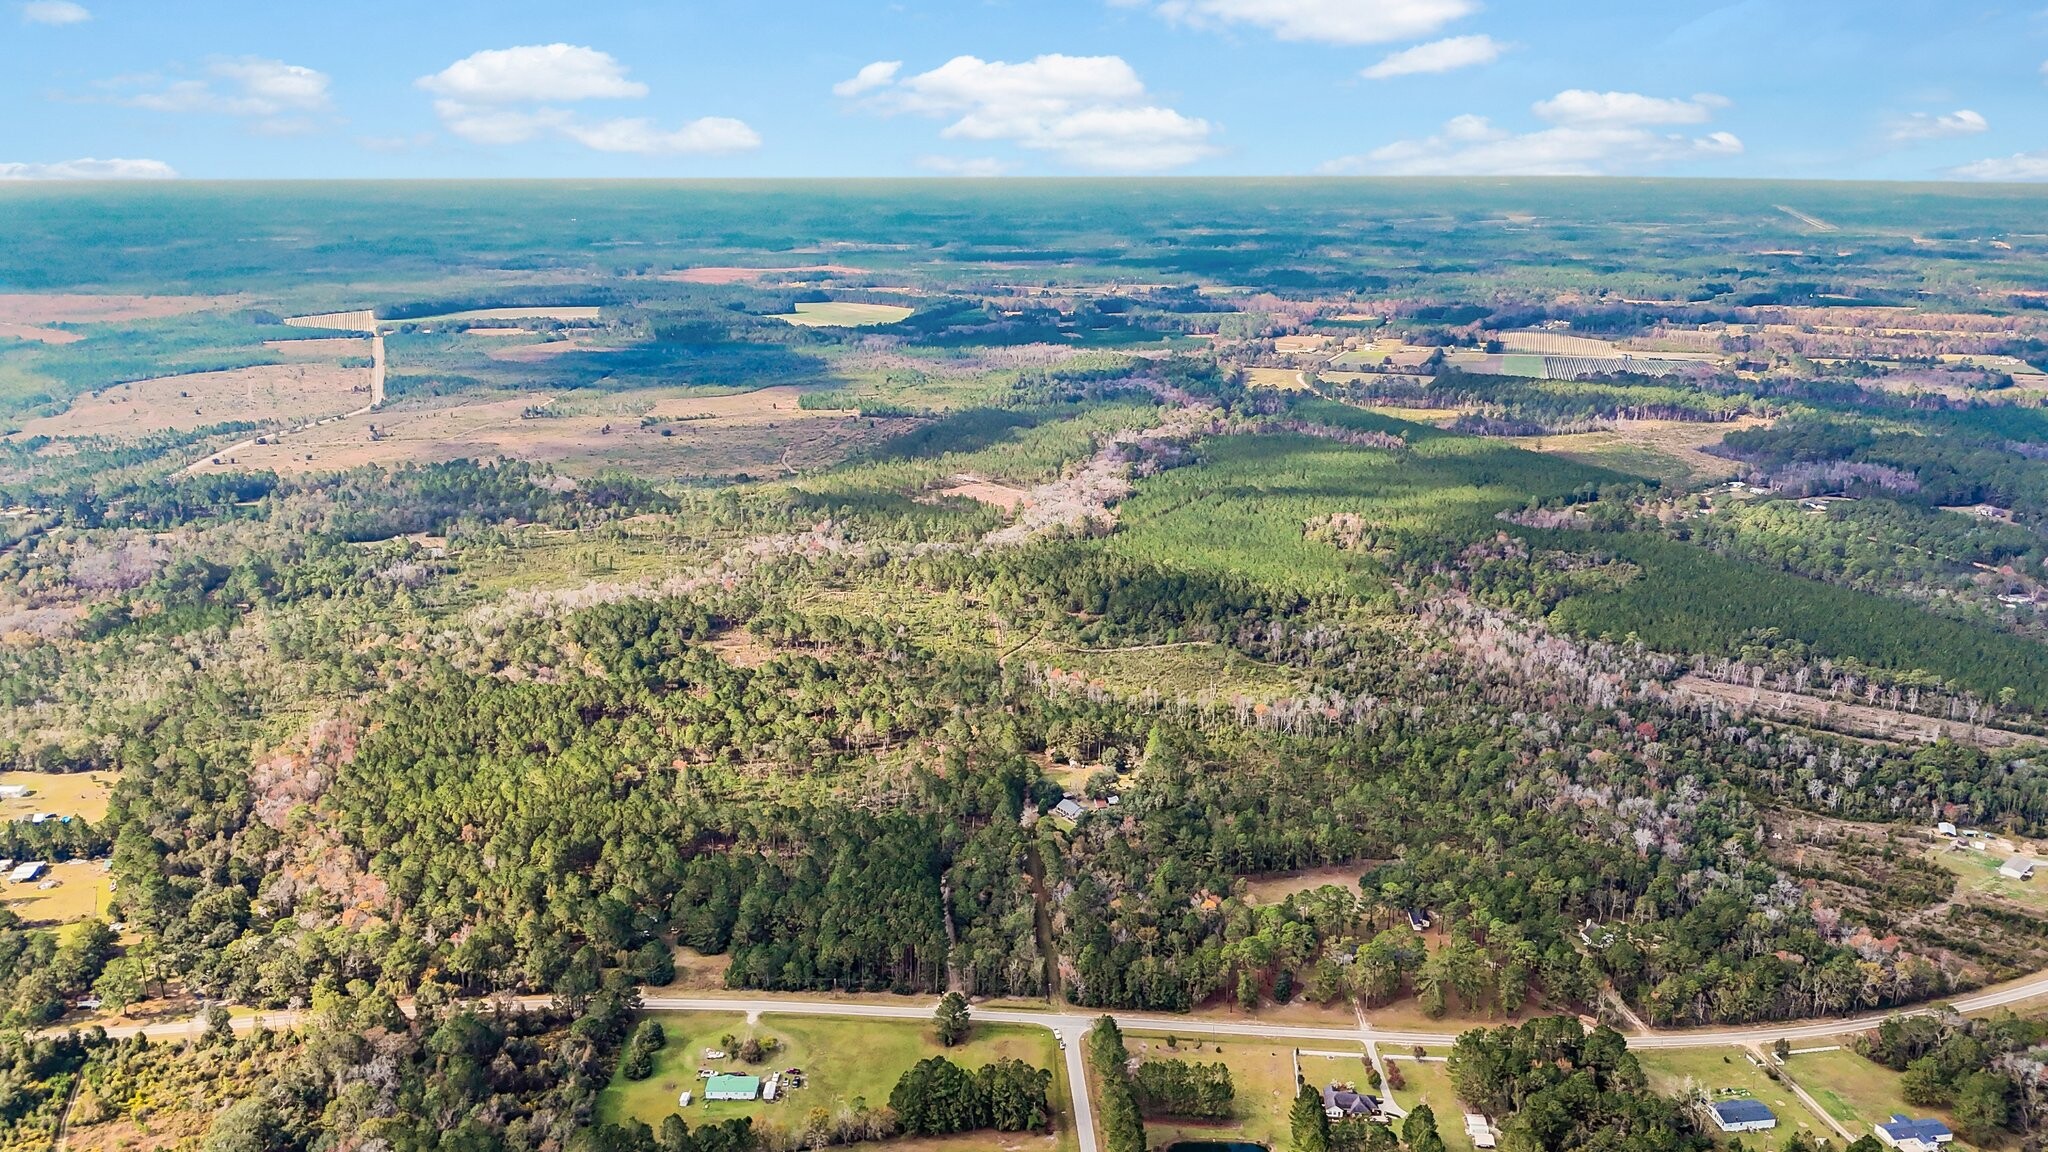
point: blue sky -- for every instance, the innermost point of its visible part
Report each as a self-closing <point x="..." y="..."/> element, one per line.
<point x="374" y="88"/>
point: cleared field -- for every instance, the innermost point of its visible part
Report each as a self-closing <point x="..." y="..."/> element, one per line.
<point x="1670" y="450"/>
<point x="846" y="314"/>
<point x="1725" y="1073"/>
<point x="35" y="308"/>
<point x="476" y="315"/>
<point x="1845" y="716"/>
<point x="843" y="1061"/>
<point x="989" y="492"/>
<point x="1429" y="1082"/>
<point x="1855" y="1091"/>
<point x="75" y="890"/>
<point x="267" y="393"/>
<point x="1978" y="872"/>
<point x="730" y="275"/>
<point x="1261" y="1071"/>
<point x="667" y="433"/>
<point x="1555" y="344"/>
<point x="1273" y="889"/>
<point x="81" y="794"/>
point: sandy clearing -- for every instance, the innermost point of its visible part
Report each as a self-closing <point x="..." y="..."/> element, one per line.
<point x="38" y="335"/>
<point x="988" y="492"/>
<point x="77" y="889"/>
<point x="34" y="308"/>
<point x="321" y="348"/>
<point x="545" y="350"/>
<point x="267" y="393"/>
<point x="1682" y="440"/>
<point x="845" y="314"/>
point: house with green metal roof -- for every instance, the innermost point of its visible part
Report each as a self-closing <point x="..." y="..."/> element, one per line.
<point x="729" y="1087"/>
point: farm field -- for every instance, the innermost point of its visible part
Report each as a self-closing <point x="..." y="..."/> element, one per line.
<point x="1856" y="1092"/>
<point x="846" y="314"/>
<point x="843" y="1060"/>
<point x="1978" y="875"/>
<point x="1667" y="450"/>
<point x="1725" y="1073"/>
<point x="264" y="394"/>
<point x="661" y="433"/>
<point x="80" y="794"/>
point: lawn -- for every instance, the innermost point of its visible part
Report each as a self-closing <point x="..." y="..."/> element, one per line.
<point x="1979" y="874"/>
<point x="1429" y="1082"/>
<point x="1856" y="1091"/>
<point x="1261" y="1072"/>
<point x="846" y="314"/>
<point x="844" y="1061"/>
<point x="1725" y="1073"/>
<point x="82" y="794"/>
<point x="77" y="889"/>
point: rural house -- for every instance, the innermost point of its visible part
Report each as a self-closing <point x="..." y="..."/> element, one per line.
<point x="1910" y="1135"/>
<point x="726" y="1086"/>
<point x="2017" y="868"/>
<point x="1346" y="1104"/>
<point x="1743" y="1116"/>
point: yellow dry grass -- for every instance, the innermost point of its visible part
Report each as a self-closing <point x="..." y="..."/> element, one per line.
<point x="67" y="892"/>
<point x="82" y="794"/>
<point x="846" y="314"/>
<point x="267" y="393"/>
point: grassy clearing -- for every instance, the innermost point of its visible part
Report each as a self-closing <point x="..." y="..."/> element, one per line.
<point x="847" y="1063"/>
<point x="78" y="889"/>
<point x="1261" y="1071"/>
<point x="1677" y="1071"/>
<point x="1856" y="1091"/>
<point x="1978" y="873"/>
<point x="846" y="314"/>
<point x="80" y="794"/>
<point x="1429" y="1082"/>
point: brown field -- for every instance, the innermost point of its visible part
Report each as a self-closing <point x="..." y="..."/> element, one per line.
<point x="1668" y="449"/>
<point x="82" y="794"/>
<point x="319" y="349"/>
<point x="1844" y="716"/>
<point x="268" y="393"/>
<point x="39" y="335"/>
<point x="542" y="350"/>
<point x="32" y="309"/>
<point x="78" y="889"/>
<point x="759" y="433"/>
<point x="1272" y="889"/>
<point x="1555" y="344"/>
<point x="988" y="492"/>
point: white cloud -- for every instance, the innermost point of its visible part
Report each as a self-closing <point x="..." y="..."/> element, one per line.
<point x="513" y="95"/>
<point x="708" y="135"/>
<point x="279" y="96"/>
<point x="89" y="169"/>
<point x="1437" y="56"/>
<point x="536" y="73"/>
<point x="1327" y="21"/>
<point x="54" y="12"/>
<point x="880" y="74"/>
<point x="1923" y="126"/>
<point x="1591" y="133"/>
<point x="1084" y="111"/>
<point x="1577" y="106"/>
<point x="2017" y="167"/>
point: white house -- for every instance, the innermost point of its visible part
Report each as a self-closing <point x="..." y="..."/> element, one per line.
<point x="2017" y="868"/>
<point x="1479" y="1130"/>
<point x="1910" y="1135"/>
<point x="25" y="872"/>
<point x="1744" y="1115"/>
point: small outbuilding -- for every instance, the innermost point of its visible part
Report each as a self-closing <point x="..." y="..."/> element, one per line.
<point x="26" y="871"/>
<point x="1743" y="1116"/>
<point x="2018" y="868"/>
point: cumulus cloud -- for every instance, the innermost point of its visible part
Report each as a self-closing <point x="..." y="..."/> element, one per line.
<point x="1437" y="56"/>
<point x="1590" y="133"/>
<point x="513" y="95"/>
<point x="1922" y="126"/>
<point x="880" y="74"/>
<point x="1326" y="21"/>
<point x="90" y="169"/>
<point x="1084" y="111"/>
<point x="2020" y="166"/>
<point x="707" y="135"/>
<point x="1577" y="106"/>
<point x="54" y="12"/>
<point x="536" y="74"/>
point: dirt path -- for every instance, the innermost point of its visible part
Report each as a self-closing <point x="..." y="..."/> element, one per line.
<point x="1844" y="716"/>
<point x="1041" y="921"/>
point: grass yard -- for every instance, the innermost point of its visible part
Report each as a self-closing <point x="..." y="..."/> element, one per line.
<point x="1978" y="872"/>
<point x="844" y="1061"/>
<point x="81" y="794"/>
<point x="1429" y="1082"/>
<point x="78" y="889"/>
<point x="846" y="314"/>
<point x="1856" y="1091"/>
<point x="1262" y="1072"/>
<point x="1675" y="1071"/>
